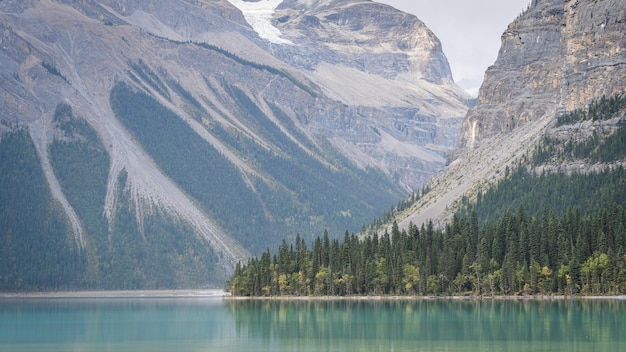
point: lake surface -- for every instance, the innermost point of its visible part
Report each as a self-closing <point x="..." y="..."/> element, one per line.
<point x="210" y="324"/>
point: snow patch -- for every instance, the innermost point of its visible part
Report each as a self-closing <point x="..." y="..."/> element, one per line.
<point x="259" y="17"/>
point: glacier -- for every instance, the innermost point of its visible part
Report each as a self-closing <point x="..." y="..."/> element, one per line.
<point x="259" y="17"/>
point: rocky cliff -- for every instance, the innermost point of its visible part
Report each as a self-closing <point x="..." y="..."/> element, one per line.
<point x="176" y="137"/>
<point x="557" y="56"/>
<point x="390" y="65"/>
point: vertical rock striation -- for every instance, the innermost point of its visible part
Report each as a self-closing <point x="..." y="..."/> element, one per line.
<point x="557" y="56"/>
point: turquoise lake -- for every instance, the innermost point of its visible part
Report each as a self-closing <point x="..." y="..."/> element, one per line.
<point x="211" y="324"/>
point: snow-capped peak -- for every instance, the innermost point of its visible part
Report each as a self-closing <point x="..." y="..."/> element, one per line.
<point x="259" y="17"/>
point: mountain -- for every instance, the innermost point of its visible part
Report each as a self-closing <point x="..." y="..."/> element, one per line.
<point x="556" y="57"/>
<point x="389" y="65"/>
<point x="152" y="144"/>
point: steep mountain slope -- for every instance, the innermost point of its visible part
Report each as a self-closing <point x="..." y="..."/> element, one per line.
<point x="176" y="138"/>
<point x="556" y="57"/>
<point x="383" y="61"/>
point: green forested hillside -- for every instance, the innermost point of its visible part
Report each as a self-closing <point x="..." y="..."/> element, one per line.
<point x="200" y="169"/>
<point x="296" y="190"/>
<point x="558" y="192"/>
<point x="589" y="192"/>
<point x="597" y="148"/>
<point x="149" y="248"/>
<point x="163" y="254"/>
<point x="37" y="248"/>
<point x="531" y="233"/>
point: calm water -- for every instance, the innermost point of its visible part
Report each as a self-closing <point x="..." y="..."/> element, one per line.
<point x="210" y="324"/>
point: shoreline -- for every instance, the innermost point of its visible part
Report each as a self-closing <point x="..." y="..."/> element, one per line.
<point x="423" y="298"/>
<point x="221" y="294"/>
<point x="200" y="293"/>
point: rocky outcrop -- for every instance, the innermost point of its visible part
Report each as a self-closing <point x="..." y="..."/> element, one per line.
<point x="370" y="37"/>
<point x="557" y="56"/>
<point x="391" y="67"/>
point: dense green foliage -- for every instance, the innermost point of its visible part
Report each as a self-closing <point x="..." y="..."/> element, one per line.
<point x="193" y="163"/>
<point x="388" y="216"/>
<point x="81" y="164"/>
<point x="595" y="148"/>
<point x="37" y="248"/>
<point x="516" y="255"/>
<point x="555" y="191"/>
<point x="601" y="109"/>
<point x="154" y="252"/>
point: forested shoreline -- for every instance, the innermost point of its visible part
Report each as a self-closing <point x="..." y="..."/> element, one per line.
<point x="528" y="234"/>
<point x="518" y="255"/>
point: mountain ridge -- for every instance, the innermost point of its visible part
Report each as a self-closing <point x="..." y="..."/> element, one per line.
<point x="215" y="145"/>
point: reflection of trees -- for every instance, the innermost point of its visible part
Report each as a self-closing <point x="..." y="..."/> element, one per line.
<point x="532" y="324"/>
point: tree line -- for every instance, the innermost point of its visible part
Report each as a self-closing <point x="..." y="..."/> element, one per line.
<point x="518" y="254"/>
<point x="599" y="147"/>
<point x="600" y="109"/>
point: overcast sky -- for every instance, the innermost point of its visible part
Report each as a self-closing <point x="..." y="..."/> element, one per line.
<point x="469" y="31"/>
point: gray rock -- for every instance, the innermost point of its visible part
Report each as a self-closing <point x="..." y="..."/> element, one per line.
<point x="557" y="56"/>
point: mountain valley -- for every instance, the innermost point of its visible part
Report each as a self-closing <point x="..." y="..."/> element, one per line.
<point x="154" y="145"/>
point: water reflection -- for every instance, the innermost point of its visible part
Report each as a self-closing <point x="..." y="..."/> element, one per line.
<point x="179" y="324"/>
<point x="112" y="324"/>
<point x="448" y="325"/>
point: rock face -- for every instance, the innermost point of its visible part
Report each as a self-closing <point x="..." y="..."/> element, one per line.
<point x="557" y="56"/>
<point x="389" y="65"/>
<point x="178" y="137"/>
<point x="369" y="37"/>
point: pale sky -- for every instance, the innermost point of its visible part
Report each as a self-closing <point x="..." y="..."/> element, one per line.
<point x="469" y="31"/>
